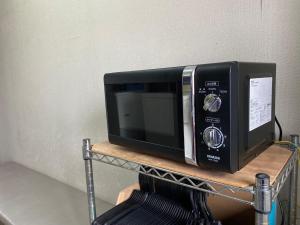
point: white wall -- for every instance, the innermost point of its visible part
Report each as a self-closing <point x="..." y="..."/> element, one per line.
<point x="4" y="126"/>
<point x="3" y="131"/>
<point x="53" y="55"/>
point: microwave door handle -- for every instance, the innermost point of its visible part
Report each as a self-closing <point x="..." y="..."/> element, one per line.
<point x="188" y="104"/>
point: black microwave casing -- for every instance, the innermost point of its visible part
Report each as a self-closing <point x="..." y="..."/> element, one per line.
<point x="244" y="145"/>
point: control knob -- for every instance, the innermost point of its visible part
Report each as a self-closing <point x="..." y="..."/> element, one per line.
<point x="213" y="137"/>
<point x="212" y="103"/>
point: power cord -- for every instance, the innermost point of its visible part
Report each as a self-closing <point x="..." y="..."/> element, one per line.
<point x="282" y="213"/>
<point x="279" y="127"/>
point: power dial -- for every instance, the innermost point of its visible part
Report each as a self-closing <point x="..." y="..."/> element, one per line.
<point x="212" y="103"/>
<point x="213" y="137"/>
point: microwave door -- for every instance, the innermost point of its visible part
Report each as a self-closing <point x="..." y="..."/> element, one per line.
<point x="146" y="112"/>
<point x="130" y="114"/>
<point x="159" y="118"/>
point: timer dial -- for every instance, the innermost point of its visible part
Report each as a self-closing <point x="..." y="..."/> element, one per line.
<point x="212" y="103"/>
<point x="213" y="137"/>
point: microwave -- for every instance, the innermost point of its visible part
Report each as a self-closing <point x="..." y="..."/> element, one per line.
<point x="218" y="115"/>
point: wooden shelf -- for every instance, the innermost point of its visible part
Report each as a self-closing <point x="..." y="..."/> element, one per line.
<point x="271" y="162"/>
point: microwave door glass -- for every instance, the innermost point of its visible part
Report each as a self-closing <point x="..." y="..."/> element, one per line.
<point x="147" y="112"/>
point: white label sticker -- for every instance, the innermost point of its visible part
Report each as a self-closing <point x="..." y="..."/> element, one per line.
<point x="260" y="102"/>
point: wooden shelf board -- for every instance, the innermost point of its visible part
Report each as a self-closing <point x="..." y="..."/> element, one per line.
<point x="271" y="162"/>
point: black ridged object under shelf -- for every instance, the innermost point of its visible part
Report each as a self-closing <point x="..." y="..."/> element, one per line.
<point x="145" y="209"/>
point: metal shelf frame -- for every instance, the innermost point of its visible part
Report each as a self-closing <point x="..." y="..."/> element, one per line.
<point x="262" y="193"/>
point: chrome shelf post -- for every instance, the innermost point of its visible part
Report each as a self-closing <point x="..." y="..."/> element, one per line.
<point x="263" y="199"/>
<point x="293" y="183"/>
<point x="87" y="156"/>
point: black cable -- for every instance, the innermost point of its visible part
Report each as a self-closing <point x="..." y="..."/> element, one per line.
<point x="282" y="213"/>
<point x="280" y="128"/>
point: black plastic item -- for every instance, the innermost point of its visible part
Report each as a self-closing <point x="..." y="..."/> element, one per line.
<point x="177" y="193"/>
<point x="144" y="209"/>
<point x="191" y="199"/>
<point x="160" y="203"/>
<point x="136" y="200"/>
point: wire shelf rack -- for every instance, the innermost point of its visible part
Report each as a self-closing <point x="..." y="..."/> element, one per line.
<point x="208" y="186"/>
<point x="281" y="179"/>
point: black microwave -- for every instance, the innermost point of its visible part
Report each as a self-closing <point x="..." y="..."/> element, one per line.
<point x="218" y="115"/>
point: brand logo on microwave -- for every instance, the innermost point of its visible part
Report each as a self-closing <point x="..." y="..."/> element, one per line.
<point x="212" y="120"/>
<point x="212" y="83"/>
<point x="213" y="158"/>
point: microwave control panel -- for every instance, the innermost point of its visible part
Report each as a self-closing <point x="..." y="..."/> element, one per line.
<point x="212" y="114"/>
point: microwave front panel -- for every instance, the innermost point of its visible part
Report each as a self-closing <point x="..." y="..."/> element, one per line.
<point x="212" y="107"/>
<point x="149" y="112"/>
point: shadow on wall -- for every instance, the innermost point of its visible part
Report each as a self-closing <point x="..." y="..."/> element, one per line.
<point x="4" y="221"/>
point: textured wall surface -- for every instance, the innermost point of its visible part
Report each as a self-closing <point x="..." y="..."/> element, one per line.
<point x="4" y="151"/>
<point x="53" y="55"/>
